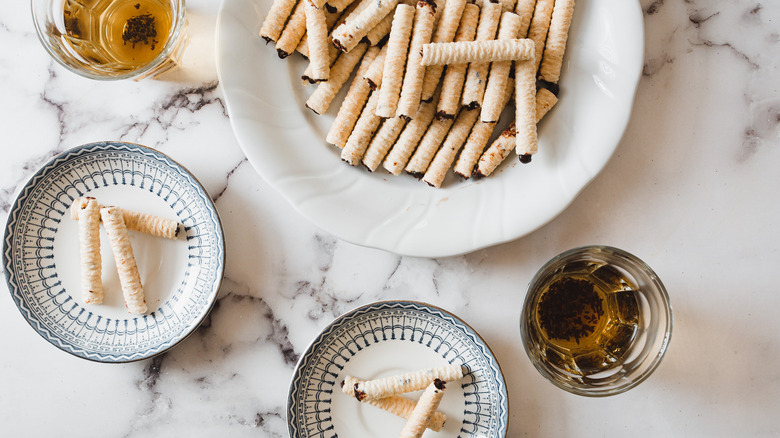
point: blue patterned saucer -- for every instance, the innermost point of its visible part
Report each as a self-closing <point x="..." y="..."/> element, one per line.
<point x="181" y="277"/>
<point x="388" y="338"/>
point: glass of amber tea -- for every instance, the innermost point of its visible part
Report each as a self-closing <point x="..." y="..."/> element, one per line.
<point x="596" y="321"/>
<point x="112" y="39"/>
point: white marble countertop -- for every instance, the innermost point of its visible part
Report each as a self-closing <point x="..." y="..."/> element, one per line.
<point x="693" y="190"/>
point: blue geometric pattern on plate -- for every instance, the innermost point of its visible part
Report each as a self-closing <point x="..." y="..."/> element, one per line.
<point x="485" y="412"/>
<point x="28" y="252"/>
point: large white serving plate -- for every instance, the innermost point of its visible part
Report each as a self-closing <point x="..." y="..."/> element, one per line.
<point x="285" y="142"/>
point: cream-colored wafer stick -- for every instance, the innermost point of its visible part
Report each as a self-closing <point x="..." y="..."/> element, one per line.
<point x="348" y="35"/>
<point x="293" y="31"/>
<point x="477" y="51"/>
<point x="554" y="48"/>
<point x="403" y="148"/>
<point x="472" y="150"/>
<point x="525" y="107"/>
<point x="273" y="24"/>
<point x="374" y="74"/>
<point x="338" y="5"/>
<point x="150" y="224"/>
<point x="353" y="103"/>
<point x="309" y="77"/>
<point x="545" y="100"/>
<point x="507" y="141"/>
<point x="393" y="71"/>
<point x="461" y="128"/>
<point x="497" y="152"/>
<point x="455" y="75"/>
<point x="358" y="140"/>
<point x="499" y="71"/>
<point x="333" y="52"/>
<point x="427" y="148"/>
<point x="403" y="407"/>
<point x="381" y="30"/>
<point x="540" y="23"/>
<point x="320" y="100"/>
<point x="422" y="413"/>
<point x="400" y="383"/>
<point x="88" y="213"/>
<point x="478" y="138"/>
<point x="411" y="90"/>
<point x="525" y="10"/>
<point x="140" y="222"/>
<point x="332" y="20"/>
<point x="445" y="33"/>
<point x="384" y="138"/>
<point x="129" y="278"/>
<point x="476" y="75"/>
<point x="317" y="30"/>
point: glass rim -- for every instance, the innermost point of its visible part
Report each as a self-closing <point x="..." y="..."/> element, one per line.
<point x="174" y="34"/>
<point x="653" y="360"/>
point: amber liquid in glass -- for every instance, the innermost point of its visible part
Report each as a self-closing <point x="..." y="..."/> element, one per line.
<point x="117" y="35"/>
<point x="588" y="315"/>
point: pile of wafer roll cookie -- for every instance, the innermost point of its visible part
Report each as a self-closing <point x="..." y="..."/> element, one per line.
<point x="384" y="393"/>
<point x="433" y="77"/>
<point x="116" y="222"/>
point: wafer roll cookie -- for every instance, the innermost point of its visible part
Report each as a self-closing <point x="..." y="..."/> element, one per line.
<point x="349" y="34"/>
<point x="479" y="137"/>
<point x="274" y="22"/>
<point x="88" y="212"/>
<point x="303" y="44"/>
<point x="426" y="406"/>
<point x="445" y="32"/>
<point x="374" y="73"/>
<point x="293" y="31"/>
<point x="381" y="30"/>
<point x="455" y="75"/>
<point x="545" y="100"/>
<point x="383" y="139"/>
<point x="317" y="30"/>
<point x="476" y="75"/>
<point x="505" y="143"/>
<point x="361" y="136"/>
<point x="393" y="71"/>
<point x="540" y="24"/>
<point x="399" y="384"/>
<point x="525" y="10"/>
<point x="411" y="90"/>
<point x="461" y="128"/>
<point x="410" y="136"/>
<point x="525" y="107"/>
<point x="477" y="52"/>
<point x="499" y="71"/>
<point x="129" y="278"/>
<point x="320" y="100"/>
<point x="427" y="148"/>
<point x="140" y="222"/>
<point x="403" y="407"/>
<point x="353" y="103"/>
<point x="497" y="152"/>
<point x="150" y="224"/>
<point x="338" y="5"/>
<point x="332" y="19"/>
<point x="554" y="48"/>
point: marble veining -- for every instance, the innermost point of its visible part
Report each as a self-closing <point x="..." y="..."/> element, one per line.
<point x="692" y="190"/>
